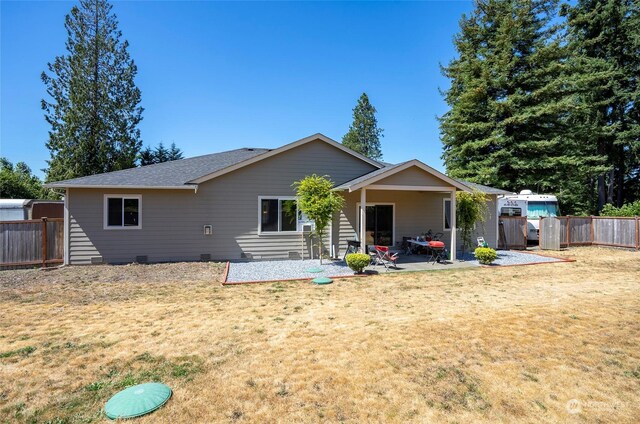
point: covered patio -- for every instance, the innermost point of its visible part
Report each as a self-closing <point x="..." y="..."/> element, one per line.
<point x="400" y="202"/>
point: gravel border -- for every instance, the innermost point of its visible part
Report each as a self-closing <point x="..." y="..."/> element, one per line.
<point x="512" y="257"/>
<point x="285" y="270"/>
<point x="291" y="269"/>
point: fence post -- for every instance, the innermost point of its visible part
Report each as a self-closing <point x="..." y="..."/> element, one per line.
<point x="568" y="231"/>
<point x="592" y="230"/>
<point x="44" y="242"/>
<point x="637" y="232"/>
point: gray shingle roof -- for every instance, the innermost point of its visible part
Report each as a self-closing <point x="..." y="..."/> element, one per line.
<point x="484" y="188"/>
<point x="176" y="173"/>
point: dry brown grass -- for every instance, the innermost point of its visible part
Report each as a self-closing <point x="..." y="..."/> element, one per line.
<point x="475" y="345"/>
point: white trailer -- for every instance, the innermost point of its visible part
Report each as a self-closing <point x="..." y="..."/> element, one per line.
<point x="533" y="206"/>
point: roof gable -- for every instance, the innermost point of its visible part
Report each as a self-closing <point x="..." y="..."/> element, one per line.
<point x="413" y="168"/>
<point x="286" y="147"/>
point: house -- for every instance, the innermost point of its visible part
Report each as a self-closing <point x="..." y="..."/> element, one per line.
<point x="239" y="204"/>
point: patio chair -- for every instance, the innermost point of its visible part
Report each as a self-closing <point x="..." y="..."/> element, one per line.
<point x="385" y="257"/>
<point x="353" y="246"/>
<point x="481" y="242"/>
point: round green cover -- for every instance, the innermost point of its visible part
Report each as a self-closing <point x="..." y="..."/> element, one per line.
<point x="137" y="400"/>
<point x="322" y="280"/>
<point x="315" y="270"/>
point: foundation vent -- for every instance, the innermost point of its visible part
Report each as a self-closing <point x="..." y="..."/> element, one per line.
<point x="205" y="257"/>
<point x="142" y="259"/>
<point x="96" y="260"/>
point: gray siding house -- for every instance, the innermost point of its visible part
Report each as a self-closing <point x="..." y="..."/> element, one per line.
<point x="237" y="204"/>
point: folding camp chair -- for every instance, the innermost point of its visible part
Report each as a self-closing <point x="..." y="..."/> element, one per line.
<point x="385" y="257"/>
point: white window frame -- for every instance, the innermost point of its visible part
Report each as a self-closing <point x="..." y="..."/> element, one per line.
<point x="105" y="213"/>
<point x="279" y="231"/>
<point x="444" y="214"/>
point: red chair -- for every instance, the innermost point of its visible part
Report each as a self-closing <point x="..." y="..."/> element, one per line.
<point x="385" y="258"/>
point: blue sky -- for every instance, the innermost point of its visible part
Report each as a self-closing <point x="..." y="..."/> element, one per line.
<point x="220" y="75"/>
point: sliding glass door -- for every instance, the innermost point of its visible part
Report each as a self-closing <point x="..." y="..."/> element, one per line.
<point x="379" y="225"/>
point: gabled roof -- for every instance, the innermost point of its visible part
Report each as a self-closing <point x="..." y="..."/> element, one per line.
<point x="284" y="148"/>
<point x="188" y="173"/>
<point x="387" y="171"/>
<point x="174" y="175"/>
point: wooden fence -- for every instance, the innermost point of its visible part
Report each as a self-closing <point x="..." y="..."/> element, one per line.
<point x="596" y="231"/>
<point x="31" y="242"/>
<point x="512" y="232"/>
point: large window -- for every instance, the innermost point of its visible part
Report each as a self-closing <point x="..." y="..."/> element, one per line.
<point x="122" y="211"/>
<point x="446" y="213"/>
<point x="278" y="214"/>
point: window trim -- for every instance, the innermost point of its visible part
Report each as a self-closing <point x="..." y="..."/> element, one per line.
<point x="105" y="211"/>
<point x="444" y="214"/>
<point x="279" y="231"/>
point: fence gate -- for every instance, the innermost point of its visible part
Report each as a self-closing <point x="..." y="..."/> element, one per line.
<point x="550" y="233"/>
<point x="512" y="232"/>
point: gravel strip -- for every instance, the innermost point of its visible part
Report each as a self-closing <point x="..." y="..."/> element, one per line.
<point x="284" y="270"/>
<point x="511" y="257"/>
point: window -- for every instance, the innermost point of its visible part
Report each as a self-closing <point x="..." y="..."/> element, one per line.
<point x="511" y="211"/>
<point x="278" y="214"/>
<point x="446" y="213"/>
<point x="122" y="211"/>
<point x="536" y="210"/>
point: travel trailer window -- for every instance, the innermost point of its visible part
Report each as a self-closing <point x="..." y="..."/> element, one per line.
<point x="511" y="211"/>
<point x="537" y="210"/>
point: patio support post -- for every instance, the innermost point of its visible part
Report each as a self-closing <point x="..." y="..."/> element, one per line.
<point x="363" y="219"/>
<point x="453" y="225"/>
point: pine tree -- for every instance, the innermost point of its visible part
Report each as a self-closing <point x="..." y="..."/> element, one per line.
<point x="160" y="154"/>
<point x="94" y="107"/>
<point x="511" y="101"/>
<point x="605" y="41"/>
<point x="364" y="135"/>
<point x="174" y="152"/>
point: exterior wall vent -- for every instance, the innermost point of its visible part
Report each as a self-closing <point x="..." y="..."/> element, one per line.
<point x="142" y="259"/>
<point x="205" y="257"/>
<point x="96" y="260"/>
<point x="294" y="255"/>
<point x="246" y="256"/>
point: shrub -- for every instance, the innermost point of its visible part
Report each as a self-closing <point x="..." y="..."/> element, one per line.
<point x="628" y="209"/>
<point x="358" y="261"/>
<point x="486" y="255"/>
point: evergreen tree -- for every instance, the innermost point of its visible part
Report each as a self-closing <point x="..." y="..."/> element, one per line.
<point x="364" y="135"/>
<point x="174" y="152"/>
<point x="511" y="101"/>
<point x="94" y="107"/>
<point x="160" y="154"/>
<point x="605" y="42"/>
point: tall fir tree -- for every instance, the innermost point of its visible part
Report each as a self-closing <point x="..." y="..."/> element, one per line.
<point x="160" y="154"/>
<point x="93" y="106"/>
<point x="510" y="102"/>
<point x="605" y="42"/>
<point x="364" y="135"/>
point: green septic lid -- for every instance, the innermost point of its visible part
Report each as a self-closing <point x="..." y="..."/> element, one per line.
<point x="137" y="400"/>
<point x="315" y="269"/>
<point x="322" y="280"/>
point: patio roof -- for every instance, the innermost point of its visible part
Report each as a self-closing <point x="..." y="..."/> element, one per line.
<point x="387" y="171"/>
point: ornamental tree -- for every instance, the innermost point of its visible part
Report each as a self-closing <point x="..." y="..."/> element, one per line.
<point x="318" y="201"/>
